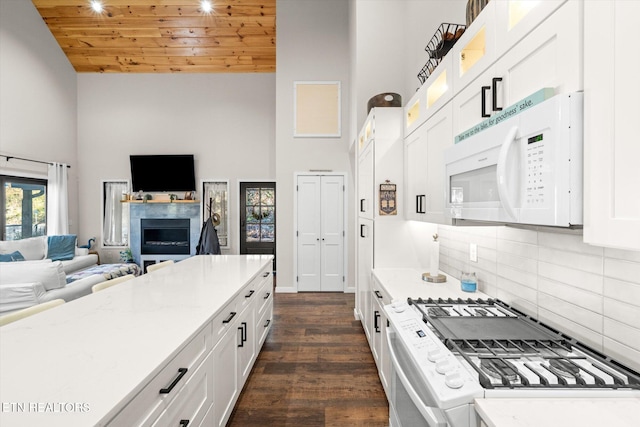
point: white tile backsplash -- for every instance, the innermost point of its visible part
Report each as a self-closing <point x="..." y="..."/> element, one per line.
<point x="622" y="333"/>
<point x="585" y="299"/>
<point x="570" y="275"/>
<point x="587" y="318"/>
<point x="623" y="270"/>
<point x="589" y="292"/>
<point x="588" y="263"/>
<point x="622" y="291"/>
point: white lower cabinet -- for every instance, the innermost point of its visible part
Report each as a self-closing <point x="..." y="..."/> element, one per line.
<point x="193" y="401"/>
<point x="365" y="264"/>
<point x="163" y="389"/>
<point x="378" y="342"/>
<point x="201" y="384"/>
<point x="246" y="343"/>
<point x="225" y="366"/>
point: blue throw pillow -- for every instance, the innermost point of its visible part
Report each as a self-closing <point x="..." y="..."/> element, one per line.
<point x="61" y="248"/>
<point x="13" y="256"/>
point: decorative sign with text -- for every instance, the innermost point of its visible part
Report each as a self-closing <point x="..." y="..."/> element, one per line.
<point x="388" y="204"/>
<point x="513" y="110"/>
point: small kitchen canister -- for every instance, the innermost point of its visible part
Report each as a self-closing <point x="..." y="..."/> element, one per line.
<point x="469" y="282"/>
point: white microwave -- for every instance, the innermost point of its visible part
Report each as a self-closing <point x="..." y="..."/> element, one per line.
<point x="521" y="167"/>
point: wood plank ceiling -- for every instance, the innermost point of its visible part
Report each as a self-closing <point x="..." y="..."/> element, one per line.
<point x="165" y="36"/>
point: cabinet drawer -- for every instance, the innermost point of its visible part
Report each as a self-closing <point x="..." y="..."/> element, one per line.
<point x="163" y="388"/>
<point x="264" y="324"/>
<point x="265" y="294"/>
<point x="250" y="292"/>
<point x="192" y="402"/>
<point x="225" y="319"/>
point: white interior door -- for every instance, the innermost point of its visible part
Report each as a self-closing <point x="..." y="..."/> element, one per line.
<point x="332" y="233"/>
<point x="308" y="233"/>
<point x="320" y="233"/>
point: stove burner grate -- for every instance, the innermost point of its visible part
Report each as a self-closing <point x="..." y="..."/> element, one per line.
<point x="564" y="368"/>
<point x="500" y="369"/>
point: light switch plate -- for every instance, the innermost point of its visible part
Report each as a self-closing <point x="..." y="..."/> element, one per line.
<point x="473" y="252"/>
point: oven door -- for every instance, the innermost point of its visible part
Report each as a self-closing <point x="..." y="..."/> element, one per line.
<point x="410" y="403"/>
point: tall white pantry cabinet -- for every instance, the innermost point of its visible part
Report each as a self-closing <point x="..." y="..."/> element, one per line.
<point x="380" y="158"/>
<point x="612" y="150"/>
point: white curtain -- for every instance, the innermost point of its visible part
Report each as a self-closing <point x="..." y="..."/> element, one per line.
<point x="218" y="193"/>
<point x="113" y="214"/>
<point x="57" y="200"/>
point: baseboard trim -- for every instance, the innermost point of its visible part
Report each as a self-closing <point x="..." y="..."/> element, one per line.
<point x="286" y="290"/>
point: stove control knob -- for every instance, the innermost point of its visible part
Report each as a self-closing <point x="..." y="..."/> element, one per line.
<point x="399" y="305"/>
<point x="453" y="379"/>
<point x="444" y="366"/>
<point x="434" y="353"/>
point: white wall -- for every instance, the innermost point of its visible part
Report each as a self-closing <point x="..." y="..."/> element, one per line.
<point x="226" y="120"/>
<point x="380" y="52"/>
<point x="312" y="44"/>
<point x="37" y="98"/>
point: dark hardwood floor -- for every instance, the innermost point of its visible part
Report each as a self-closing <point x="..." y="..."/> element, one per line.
<point x="315" y="368"/>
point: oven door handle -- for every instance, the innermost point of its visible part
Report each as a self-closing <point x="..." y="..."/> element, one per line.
<point x="432" y="418"/>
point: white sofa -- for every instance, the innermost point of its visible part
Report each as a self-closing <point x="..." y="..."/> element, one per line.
<point x="38" y="279"/>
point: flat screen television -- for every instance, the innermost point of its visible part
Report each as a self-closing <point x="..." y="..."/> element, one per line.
<point x="162" y="173"/>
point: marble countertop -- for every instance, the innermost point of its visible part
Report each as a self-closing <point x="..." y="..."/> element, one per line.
<point x="559" y="412"/>
<point x="402" y="283"/>
<point x="97" y="352"/>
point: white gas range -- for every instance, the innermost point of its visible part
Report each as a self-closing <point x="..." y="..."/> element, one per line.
<point x="447" y="352"/>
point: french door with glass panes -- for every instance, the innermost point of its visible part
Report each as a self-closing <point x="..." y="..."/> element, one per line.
<point x="258" y="218"/>
<point x="320" y="233"/>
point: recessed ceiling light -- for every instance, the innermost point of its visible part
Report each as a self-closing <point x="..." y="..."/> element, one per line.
<point x="206" y="6"/>
<point x="96" y="6"/>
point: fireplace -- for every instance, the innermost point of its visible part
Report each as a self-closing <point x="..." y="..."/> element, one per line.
<point x="165" y="236"/>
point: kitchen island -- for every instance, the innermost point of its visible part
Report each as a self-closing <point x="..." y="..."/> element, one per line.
<point x="141" y="352"/>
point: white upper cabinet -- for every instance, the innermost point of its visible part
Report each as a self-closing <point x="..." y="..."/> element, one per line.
<point x="366" y="196"/>
<point x="380" y="159"/>
<point x="415" y="149"/>
<point x="517" y="18"/>
<point x="612" y="90"/>
<point x="549" y="57"/>
<point x="424" y="164"/>
<point x="475" y="50"/>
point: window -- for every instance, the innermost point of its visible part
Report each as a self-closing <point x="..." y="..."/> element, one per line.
<point x="215" y="199"/>
<point x="25" y="207"/>
<point x="115" y="218"/>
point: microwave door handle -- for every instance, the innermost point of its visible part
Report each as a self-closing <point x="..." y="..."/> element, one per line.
<point x="433" y="418"/>
<point x="501" y="171"/>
